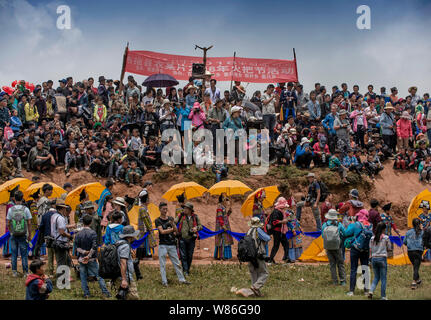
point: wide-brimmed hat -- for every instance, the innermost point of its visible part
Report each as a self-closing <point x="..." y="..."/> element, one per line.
<point x="342" y="112"/>
<point x="304" y="140"/>
<point x="191" y="87"/>
<point x="406" y="115"/>
<point x="60" y="203"/>
<point x="389" y="106"/>
<point x="88" y="205"/>
<point x="332" y="214"/>
<point x="311" y="175"/>
<point x="120" y="201"/>
<point x="166" y="101"/>
<point x="190" y="206"/>
<point x="129" y="232"/>
<point x="411" y="88"/>
<point x="281" y="203"/>
<point x="255" y="223"/>
<point x="235" y="109"/>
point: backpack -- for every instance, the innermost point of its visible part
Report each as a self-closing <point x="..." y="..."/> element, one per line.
<point x="109" y="264"/>
<point x="247" y="249"/>
<point x="362" y="240"/>
<point x="18" y="221"/>
<point x="331" y="237"/>
<point x="427" y="238"/>
<point x="324" y="191"/>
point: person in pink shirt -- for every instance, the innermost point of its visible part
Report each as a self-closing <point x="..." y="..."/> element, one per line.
<point x="198" y="117"/>
<point x="404" y="130"/>
<point x="107" y="210"/>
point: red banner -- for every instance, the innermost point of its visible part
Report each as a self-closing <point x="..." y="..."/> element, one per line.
<point x="243" y="69"/>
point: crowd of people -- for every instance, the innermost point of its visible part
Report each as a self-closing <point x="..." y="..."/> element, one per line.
<point x="107" y="247"/>
<point x="114" y="130"/>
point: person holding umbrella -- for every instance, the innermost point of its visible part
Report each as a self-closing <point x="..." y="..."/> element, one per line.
<point x="223" y="241"/>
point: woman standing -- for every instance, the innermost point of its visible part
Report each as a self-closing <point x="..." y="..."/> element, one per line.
<point x="107" y="211"/>
<point x="360" y="125"/>
<point x="389" y="223"/>
<point x="277" y="221"/>
<point x="425" y="219"/>
<point x="413" y="241"/>
<point x="145" y="225"/>
<point x="380" y="245"/>
<point x="223" y="241"/>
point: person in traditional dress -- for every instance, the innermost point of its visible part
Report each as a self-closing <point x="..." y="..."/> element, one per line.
<point x="425" y="218"/>
<point x="389" y="222"/>
<point x="294" y="243"/>
<point x="179" y="208"/>
<point x="259" y="211"/>
<point x="223" y="241"/>
<point x="79" y="211"/>
<point x="145" y="225"/>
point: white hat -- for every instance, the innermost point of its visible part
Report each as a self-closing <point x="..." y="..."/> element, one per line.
<point x="332" y="214"/>
<point x="235" y="109"/>
<point x="304" y="140"/>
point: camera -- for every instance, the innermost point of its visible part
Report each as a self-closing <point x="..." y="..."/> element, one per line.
<point x="122" y="293"/>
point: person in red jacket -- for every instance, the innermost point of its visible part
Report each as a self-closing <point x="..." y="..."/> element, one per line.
<point x="353" y="206"/>
<point x="321" y="151"/>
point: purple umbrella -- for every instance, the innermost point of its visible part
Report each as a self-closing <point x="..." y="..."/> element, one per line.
<point x="160" y="80"/>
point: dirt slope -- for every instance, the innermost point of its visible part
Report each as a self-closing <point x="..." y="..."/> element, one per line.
<point x="392" y="186"/>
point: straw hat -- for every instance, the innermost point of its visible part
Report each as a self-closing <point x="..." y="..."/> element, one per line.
<point x="191" y="87"/>
<point x="120" y="201"/>
<point x="389" y="106"/>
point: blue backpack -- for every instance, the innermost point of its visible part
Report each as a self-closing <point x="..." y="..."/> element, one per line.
<point x="362" y="240"/>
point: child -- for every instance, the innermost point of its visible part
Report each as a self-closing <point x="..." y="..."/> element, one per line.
<point x="371" y="167"/>
<point x="425" y="169"/>
<point x="401" y="159"/>
<point x="325" y="207"/>
<point x="122" y="171"/>
<point x="335" y="165"/>
<point x="135" y="141"/>
<point x="295" y="243"/>
<point x="7" y="167"/>
<point x="351" y="163"/>
<point x="379" y="247"/>
<point x="134" y="174"/>
<point x="321" y="150"/>
<point x="100" y="112"/>
<point x="39" y="286"/>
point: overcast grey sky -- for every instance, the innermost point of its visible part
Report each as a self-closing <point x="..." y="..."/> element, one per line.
<point x="330" y="49"/>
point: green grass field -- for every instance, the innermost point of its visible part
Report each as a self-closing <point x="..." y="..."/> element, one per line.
<point x="215" y="281"/>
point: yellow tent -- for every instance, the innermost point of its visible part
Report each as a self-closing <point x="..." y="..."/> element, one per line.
<point x="414" y="211"/>
<point x="134" y="213"/>
<point x="23" y="184"/>
<point x="56" y="192"/>
<point x="315" y="252"/>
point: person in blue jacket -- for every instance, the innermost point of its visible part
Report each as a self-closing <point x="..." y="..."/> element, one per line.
<point x="38" y="285"/>
<point x="114" y="229"/>
<point x="304" y="154"/>
<point x="415" y="249"/>
<point x="352" y="232"/>
<point x="328" y="124"/>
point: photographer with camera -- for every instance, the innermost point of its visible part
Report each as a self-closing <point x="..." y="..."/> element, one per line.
<point x="317" y="193"/>
<point x="167" y="244"/>
<point x="189" y="225"/>
<point x="282" y="147"/>
<point x="167" y="116"/>
<point x="59" y="231"/>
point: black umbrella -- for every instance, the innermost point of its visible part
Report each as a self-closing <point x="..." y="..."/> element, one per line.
<point x="130" y="126"/>
<point x="160" y="80"/>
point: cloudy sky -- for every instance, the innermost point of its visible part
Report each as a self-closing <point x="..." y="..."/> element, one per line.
<point x="330" y="49"/>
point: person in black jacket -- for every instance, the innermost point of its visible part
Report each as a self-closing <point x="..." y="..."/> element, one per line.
<point x="276" y="222"/>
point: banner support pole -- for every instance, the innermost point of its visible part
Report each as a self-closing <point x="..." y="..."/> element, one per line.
<point x="296" y="65"/>
<point x="123" y="67"/>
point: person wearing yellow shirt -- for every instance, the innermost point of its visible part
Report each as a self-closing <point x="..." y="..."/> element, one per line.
<point x="31" y="114"/>
<point x="100" y="111"/>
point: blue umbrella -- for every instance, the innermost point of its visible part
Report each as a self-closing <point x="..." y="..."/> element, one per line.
<point x="160" y="80"/>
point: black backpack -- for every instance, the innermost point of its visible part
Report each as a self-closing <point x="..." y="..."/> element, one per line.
<point x="426" y="238"/>
<point x="247" y="250"/>
<point x="109" y="265"/>
<point x="324" y="191"/>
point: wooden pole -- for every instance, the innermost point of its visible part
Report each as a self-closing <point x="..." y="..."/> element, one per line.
<point x="233" y="67"/>
<point x="123" y="67"/>
<point x="204" y="49"/>
<point x="296" y="65"/>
